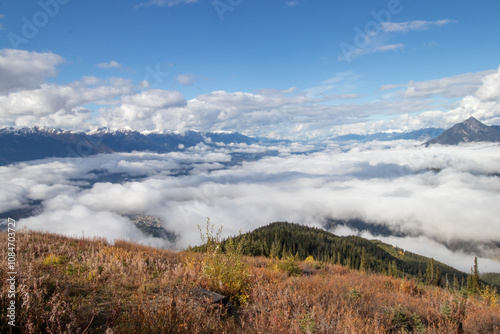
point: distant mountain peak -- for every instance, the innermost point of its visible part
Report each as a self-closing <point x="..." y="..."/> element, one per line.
<point x="470" y="130"/>
<point x="472" y="120"/>
<point x="475" y="125"/>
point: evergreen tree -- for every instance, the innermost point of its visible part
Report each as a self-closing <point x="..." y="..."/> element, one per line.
<point x="362" y="265"/>
<point x="469" y="283"/>
<point x="276" y="248"/>
<point x="348" y="263"/>
<point x="429" y="272"/>
<point x="475" y="278"/>
<point x="438" y="280"/>
<point x="456" y="287"/>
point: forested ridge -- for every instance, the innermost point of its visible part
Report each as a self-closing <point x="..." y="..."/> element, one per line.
<point x="283" y="239"/>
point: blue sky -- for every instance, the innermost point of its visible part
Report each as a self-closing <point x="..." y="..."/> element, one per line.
<point x="278" y="62"/>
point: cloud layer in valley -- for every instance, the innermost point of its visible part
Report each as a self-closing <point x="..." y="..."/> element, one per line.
<point x="434" y="195"/>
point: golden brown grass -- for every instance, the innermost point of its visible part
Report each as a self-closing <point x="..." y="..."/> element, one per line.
<point x="77" y="285"/>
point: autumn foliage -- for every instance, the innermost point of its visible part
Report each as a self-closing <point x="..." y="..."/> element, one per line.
<point x="81" y="285"/>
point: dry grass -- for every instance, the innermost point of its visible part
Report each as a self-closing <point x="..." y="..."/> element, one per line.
<point x="76" y="285"/>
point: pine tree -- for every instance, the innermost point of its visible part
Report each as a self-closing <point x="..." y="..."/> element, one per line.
<point x="276" y="248"/>
<point x="469" y="283"/>
<point x="362" y="264"/>
<point x="395" y="268"/>
<point x="429" y="272"/>
<point x="348" y="263"/>
<point x="455" y="283"/>
<point x="475" y="278"/>
<point x="438" y="280"/>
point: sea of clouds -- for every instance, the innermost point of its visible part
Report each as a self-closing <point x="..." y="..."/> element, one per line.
<point x="433" y="195"/>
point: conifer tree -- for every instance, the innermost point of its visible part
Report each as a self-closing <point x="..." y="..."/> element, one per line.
<point x="475" y="278"/>
<point x="362" y="265"/>
<point x="429" y="272"/>
<point x="455" y="283"/>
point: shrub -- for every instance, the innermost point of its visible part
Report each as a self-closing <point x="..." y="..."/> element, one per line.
<point x="225" y="272"/>
<point x="52" y="260"/>
<point x="288" y="265"/>
<point x="490" y="296"/>
<point x="311" y="262"/>
<point x="410" y="287"/>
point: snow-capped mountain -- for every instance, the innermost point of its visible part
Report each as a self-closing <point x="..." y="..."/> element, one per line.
<point x="23" y="144"/>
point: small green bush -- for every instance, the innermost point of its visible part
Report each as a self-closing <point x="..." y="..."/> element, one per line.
<point x="225" y="271"/>
<point x="52" y="260"/>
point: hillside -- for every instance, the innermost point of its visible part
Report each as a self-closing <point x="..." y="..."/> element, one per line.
<point x="281" y="239"/>
<point x="76" y="285"/>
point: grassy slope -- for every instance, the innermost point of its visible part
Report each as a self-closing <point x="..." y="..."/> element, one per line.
<point x="72" y="285"/>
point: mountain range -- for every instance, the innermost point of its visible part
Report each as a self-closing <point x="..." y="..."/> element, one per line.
<point x="421" y="134"/>
<point x="26" y="144"/>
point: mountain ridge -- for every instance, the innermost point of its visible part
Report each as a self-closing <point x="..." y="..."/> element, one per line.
<point x="32" y="143"/>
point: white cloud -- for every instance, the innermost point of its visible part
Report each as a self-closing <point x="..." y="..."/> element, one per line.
<point x="21" y="69"/>
<point x="331" y="107"/>
<point x="292" y="3"/>
<point x="110" y="64"/>
<point x="164" y="3"/>
<point x="450" y="87"/>
<point x="414" y="25"/>
<point x="390" y="47"/>
<point x="480" y="94"/>
<point x="383" y="183"/>
<point x="378" y="39"/>
<point x="59" y="105"/>
<point x="490" y="88"/>
<point x="148" y="110"/>
<point x="375" y="45"/>
<point x="185" y="79"/>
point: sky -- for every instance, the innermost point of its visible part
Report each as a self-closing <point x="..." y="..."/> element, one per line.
<point x="283" y="69"/>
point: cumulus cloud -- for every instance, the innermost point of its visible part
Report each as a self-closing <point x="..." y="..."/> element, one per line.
<point x="435" y="195"/>
<point x="148" y="110"/>
<point x="59" y="105"/>
<point x="21" y="69"/>
<point x="480" y="94"/>
<point x="329" y="108"/>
